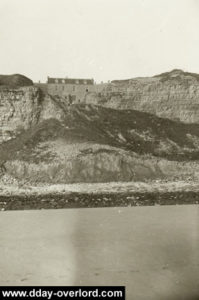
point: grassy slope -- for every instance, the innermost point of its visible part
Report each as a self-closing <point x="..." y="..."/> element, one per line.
<point x="129" y="130"/>
<point x="163" y="77"/>
<point x="15" y="80"/>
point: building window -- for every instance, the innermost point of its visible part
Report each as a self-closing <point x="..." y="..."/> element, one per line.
<point x="86" y="90"/>
<point x="56" y="81"/>
<point x="85" y="82"/>
<point x="77" y="82"/>
<point x="63" y="81"/>
<point x="73" y="88"/>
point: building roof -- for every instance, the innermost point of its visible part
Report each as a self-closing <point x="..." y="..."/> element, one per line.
<point x="69" y="81"/>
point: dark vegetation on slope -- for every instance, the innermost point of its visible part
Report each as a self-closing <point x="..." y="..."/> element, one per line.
<point x="128" y="129"/>
<point x="174" y="75"/>
<point x="15" y="80"/>
<point x="168" y="75"/>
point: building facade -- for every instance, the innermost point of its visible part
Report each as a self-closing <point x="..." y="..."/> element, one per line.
<point x="73" y="89"/>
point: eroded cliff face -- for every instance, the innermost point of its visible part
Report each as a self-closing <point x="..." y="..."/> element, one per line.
<point x="97" y="144"/>
<point x="173" y="95"/>
<point x="22" y="108"/>
<point x="106" y="165"/>
<point x="87" y="143"/>
<point x="102" y="164"/>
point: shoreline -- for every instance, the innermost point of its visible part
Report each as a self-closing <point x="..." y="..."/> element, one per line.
<point x="87" y="195"/>
<point x="90" y="200"/>
<point x="21" y="189"/>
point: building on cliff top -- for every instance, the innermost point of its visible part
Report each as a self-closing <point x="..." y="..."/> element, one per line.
<point x="67" y="81"/>
<point x="72" y="89"/>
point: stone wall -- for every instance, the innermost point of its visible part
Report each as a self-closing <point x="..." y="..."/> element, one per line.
<point x="71" y="93"/>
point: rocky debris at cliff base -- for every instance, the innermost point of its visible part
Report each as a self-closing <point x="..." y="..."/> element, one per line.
<point x="161" y="186"/>
<point x="78" y="200"/>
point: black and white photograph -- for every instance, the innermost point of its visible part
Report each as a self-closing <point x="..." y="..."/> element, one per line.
<point x="99" y="147"/>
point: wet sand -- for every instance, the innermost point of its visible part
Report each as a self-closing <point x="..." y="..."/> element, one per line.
<point x="153" y="251"/>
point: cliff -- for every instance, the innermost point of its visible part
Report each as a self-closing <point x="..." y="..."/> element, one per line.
<point x="173" y="95"/>
<point x="23" y="107"/>
<point x="44" y="139"/>
<point x="95" y="144"/>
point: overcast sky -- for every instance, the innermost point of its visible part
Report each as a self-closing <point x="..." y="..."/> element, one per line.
<point x="100" y="39"/>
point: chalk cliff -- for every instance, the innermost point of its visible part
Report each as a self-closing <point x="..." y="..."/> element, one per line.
<point x="173" y="95"/>
<point x="44" y="139"/>
<point x="24" y="107"/>
<point x="96" y="144"/>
